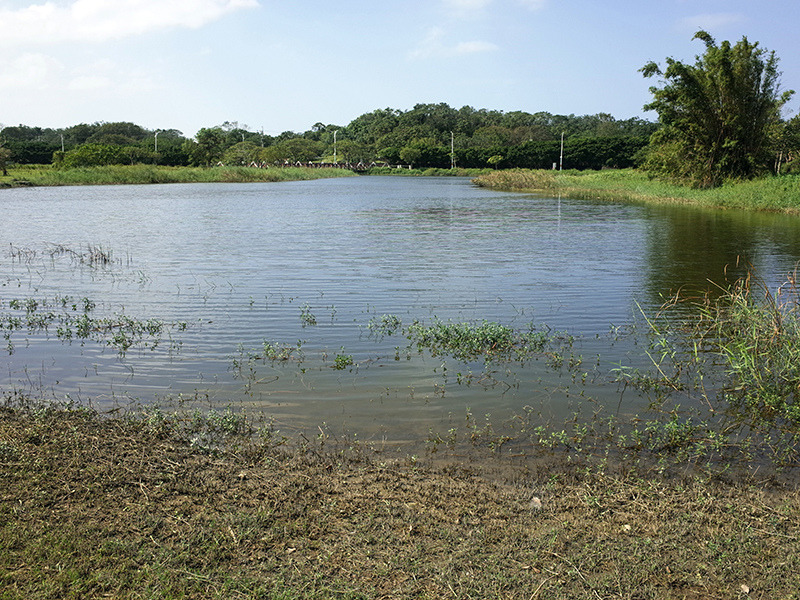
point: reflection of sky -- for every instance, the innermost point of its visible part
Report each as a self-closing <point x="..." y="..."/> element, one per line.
<point x="238" y="263"/>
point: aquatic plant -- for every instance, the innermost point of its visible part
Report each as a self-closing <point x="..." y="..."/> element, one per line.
<point x="143" y="174"/>
<point x="306" y="316"/>
<point x="486" y="340"/>
<point x="342" y="361"/>
<point x="756" y="332"/>
<point x="74" y="320"/>
<point x="385" y="325"/>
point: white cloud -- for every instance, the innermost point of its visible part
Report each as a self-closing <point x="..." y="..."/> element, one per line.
<point x="434" y="46"/>
<point x="34" y="73"/>
<point x="470" y="48"/>
<point x="102" y="20"/>
<point x="29" y="71"/>
<point x="709" y="21"/>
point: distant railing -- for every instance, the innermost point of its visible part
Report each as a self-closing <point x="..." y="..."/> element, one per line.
<point x="359" y="166"/>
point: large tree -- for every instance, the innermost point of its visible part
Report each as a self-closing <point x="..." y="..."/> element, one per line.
<point x="716" y="114"/>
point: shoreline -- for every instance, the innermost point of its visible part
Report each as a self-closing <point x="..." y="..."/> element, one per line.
<point x="129" y="507"/>
<point x="770" y="194"/>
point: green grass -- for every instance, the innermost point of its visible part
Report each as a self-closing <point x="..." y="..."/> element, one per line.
<point x="769" y="193"/>
<point x="141" y="174"/>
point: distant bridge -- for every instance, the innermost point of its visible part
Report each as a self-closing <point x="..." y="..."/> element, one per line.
<point x="357" y="167"/>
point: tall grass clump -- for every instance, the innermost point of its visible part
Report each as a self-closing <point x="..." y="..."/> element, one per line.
<point x="756" y="333"/>
<point x="725" y="376"/>
<point x="518" y="179"/>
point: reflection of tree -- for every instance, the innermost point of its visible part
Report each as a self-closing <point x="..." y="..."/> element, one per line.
<point x="692" y="249"/>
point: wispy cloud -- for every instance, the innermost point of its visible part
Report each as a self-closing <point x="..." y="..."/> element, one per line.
<point x="38" y="73"/>
<point x="709" y="21"/>
<point x="533" y="4"/>
<point x="434" y="46"/>
<point x="466" y="6"/>
<point x="29" y="71"/>
<point x="103" y="20"/>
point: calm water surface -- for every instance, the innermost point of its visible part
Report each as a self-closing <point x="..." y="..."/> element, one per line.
<point x="242" y="264"/>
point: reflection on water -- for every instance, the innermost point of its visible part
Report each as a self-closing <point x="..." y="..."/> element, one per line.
<point x="309" y="265"/>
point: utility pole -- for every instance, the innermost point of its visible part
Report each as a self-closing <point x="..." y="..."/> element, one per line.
<point x="334" y="146"/>
<point x="561" y="159"/>
<point x="452" y="151"/>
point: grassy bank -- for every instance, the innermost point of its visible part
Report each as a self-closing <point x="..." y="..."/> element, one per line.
<point x="771" y="193"/>
<point x="134" y="507"/>
<point x="141" y="174"/>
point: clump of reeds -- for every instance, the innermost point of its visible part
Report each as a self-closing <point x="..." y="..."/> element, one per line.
<point x="757" y="333"/>
<point x="518" y="179"/>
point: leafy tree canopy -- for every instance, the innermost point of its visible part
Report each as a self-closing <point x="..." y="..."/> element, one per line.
<point x="429" y="135"/>
<point x="717" y="114"/>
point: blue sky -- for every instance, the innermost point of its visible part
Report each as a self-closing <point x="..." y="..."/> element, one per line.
<point x="285" y="65"/>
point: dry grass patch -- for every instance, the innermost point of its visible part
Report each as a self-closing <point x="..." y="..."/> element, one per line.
<point x="126" y="508"/>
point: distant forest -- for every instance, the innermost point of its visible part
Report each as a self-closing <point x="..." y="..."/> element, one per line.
<point x="429" y="135"/>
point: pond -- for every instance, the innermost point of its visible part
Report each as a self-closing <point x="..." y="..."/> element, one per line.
<point x="276" y="297"/>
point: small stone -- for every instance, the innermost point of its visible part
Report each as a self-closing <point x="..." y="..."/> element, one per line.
<point x="536" y="503"/>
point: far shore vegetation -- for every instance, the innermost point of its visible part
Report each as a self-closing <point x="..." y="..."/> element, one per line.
<point x="720" y="140"/>
<point x="778" y="194"/>
<point x="46" y="175"/>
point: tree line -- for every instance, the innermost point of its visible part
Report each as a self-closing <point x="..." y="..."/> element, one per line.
<point x="719" y="119"/>
<point x="429" y="135"/>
